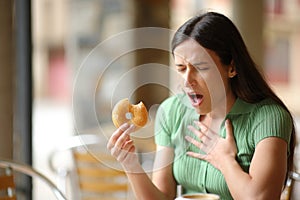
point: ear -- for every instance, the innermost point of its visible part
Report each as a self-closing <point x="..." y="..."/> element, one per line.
<point x="231" y="70"/>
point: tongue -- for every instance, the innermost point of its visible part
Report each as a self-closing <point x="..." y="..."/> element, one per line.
<point x="197" y="99"/>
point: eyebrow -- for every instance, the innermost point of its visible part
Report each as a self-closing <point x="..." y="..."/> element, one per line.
<point x="200" y="63"/>
<point x="194" y="64"/>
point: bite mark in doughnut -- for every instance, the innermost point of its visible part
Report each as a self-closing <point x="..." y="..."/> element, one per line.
<point x="125" y="112"/>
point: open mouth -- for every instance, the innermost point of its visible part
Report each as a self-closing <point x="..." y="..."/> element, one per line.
<point x="196" y="99"/>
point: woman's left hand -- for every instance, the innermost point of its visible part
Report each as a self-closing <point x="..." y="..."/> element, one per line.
<point x="216" y="149"/>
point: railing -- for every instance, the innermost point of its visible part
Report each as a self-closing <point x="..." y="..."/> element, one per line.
<point x="30" y="171"/>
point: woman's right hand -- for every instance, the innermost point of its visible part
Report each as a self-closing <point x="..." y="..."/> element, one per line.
<point x="121" y="146"/>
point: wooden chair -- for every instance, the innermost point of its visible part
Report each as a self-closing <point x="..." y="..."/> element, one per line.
<point x="7" y="185"/>
<point x="292" y="187"/>
<point x="95" y="174"/>
<point x="96" y="180"/>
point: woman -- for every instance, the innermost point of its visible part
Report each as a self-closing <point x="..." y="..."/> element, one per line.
<point x="235" y="139"/>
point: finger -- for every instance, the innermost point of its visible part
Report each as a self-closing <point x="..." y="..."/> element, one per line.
<point x="194" y="142"/>
<point x="112" y="140"/>
<point x="121" y="155"/>
<point x="124" y="128"/>
<point x="127" y="144"/>
<point x="206" y="130"/>
<point x="127" y="155"/>
<point x="202" y="126"/>
<point x="117" y="150"/>
<point x="125" y="150"/>
<point x="124" y="137"/>
<point x="229" y="130"/>
<point x="196" y="155"/>
<point x="201" y="135"/>
<point x="132" y="149"/>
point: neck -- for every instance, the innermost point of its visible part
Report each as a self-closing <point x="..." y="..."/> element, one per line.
<point x="222" y="107"/>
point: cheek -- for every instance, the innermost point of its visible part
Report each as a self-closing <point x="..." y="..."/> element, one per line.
<point x="215" y="85"/>
<point x="202" y="80"/>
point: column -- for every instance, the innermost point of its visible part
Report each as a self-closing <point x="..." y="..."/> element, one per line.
<point x="6" y="79"/>
<point x="248" y="17"/>
<point x="152" y="13"/>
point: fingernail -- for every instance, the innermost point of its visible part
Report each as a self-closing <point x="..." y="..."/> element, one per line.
<point x="123" y="127"/>
<point x="131" y="126"/>
<point x="187" y="137"/>
<point x="197" y="122"/>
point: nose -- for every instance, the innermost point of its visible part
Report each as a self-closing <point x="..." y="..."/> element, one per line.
<point x="189" y="78"/>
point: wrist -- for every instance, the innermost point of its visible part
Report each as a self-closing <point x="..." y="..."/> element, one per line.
<point x="132" y="167"/>
<point x="228" y="162"/>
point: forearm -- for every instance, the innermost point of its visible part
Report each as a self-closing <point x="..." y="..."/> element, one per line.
<point x="242" y="185"/>
<point x="123" y="149"/>
<point x="266" y="173"/>
<point x="143" y="186"/>
<point x="238" y="181"/>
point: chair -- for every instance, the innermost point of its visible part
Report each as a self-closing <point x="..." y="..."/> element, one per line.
<point x="292" y="187"/>
<point x="98" y="180"/>
<point x="94" y="174"/>
<point x="7" y="184"/>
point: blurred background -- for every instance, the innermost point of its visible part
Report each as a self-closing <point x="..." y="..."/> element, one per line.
<point x="45" y="44"/>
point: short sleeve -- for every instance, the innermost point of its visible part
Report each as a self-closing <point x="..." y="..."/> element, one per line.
<point x="168" y="120"/>
<point x="162" y="127"/>
<point x="271" y="120"/>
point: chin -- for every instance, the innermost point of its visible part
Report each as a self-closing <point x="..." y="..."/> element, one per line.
<point x="202" y="111"/>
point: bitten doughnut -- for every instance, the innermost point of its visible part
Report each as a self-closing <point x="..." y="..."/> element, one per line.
<point x="125" y="112"/>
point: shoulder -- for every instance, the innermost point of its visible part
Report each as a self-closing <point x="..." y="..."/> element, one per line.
<point x="168" y="119"/>
<point x="175" y="103"/>
<point x="178" y="99"/>
<point x="173" y="111"/>
<point x="271" y="119"/>
<point x="263" y="108"/>
<point x="270" y="109"/>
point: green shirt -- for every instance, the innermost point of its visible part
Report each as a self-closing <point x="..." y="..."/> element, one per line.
<point x="251" y="124"/>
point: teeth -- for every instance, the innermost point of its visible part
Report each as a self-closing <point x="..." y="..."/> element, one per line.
<point x="193" y="96"/>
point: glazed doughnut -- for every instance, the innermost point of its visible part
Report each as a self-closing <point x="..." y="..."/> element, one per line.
<point x="125" y="112"/>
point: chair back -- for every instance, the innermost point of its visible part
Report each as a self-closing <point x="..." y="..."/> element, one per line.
<point x="7" y="185"/>
<point x="94" y="173"/>
<point x="292" y="187"/>
<point x="97" y="179"/>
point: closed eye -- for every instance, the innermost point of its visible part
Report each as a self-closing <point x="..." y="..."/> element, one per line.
<point x="202" y="66"/>
<point x="180" y="67"/>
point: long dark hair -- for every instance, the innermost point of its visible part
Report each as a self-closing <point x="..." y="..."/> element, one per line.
<point x="216" y="32"/>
